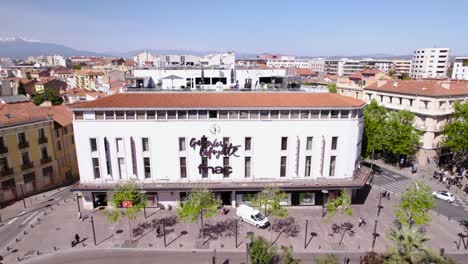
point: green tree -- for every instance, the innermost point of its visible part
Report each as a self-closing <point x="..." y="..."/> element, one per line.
<point x="391" y="73"/>
<point x="415" y="205"/>
<point x="76" y="67"/>
<point x="340" y="205"/>
<point x="409" y="247"/>
<point x="456" y="133"/>
<point x="405" y="76"/>
<point x="400" y="137"/>
<point x="331" y="87"/>
<point x="269" y="200"/>
<point x="287" y="256"/>
<point x="21" y="89"/>
<point x="374" y="127"/>
<point x="121" y="193"/>
<point x="326" y="259"/>
<point x="200" y="204"/>
<point x="261" y="251"/>
<point x="48" y="95"/>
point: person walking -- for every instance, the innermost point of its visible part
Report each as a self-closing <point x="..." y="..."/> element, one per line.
<point x="158" y="232"/>
<point x="360" y="221"/>
<point x="77" y="239"/>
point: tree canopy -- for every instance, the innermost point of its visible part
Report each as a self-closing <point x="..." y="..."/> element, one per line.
<point x="76" y="67"/>
<point x="21" y="89"/>
<point x="456" y="132"/>
<point x="331" y="87"/>
<point x="269" y="200"/>
<point x="261" y="251"/>
<point x="400" y="137"/>
<point x="48" y="95"/>
<point x="415" y="204"/>
<point x="200" y="204"/>
<point x="374" y="126"/>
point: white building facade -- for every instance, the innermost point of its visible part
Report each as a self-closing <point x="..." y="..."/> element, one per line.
<point x="460" y="68"/>
<point x="430" y="63"/>
<point x="234" y="143"/>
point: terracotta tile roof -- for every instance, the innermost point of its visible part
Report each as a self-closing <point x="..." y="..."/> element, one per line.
<point x="430" y="88"/>
<point x="370" y="71"/>
<point x="88" y="72"/>
<point x="61" y="114"/>
<point x="222" y="100"/>
<point x="20" y="112"/>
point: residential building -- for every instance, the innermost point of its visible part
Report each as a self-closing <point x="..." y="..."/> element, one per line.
<point x="88" y="79"/>
<point x="61" y="73"/>
<point x="401" y="67"/>
<point x="460" y="68"/>
<point x="430" y="63"/>
<point x="343" y="67"/>
<point x="353" y="85"/>
<point x="431" y="101"/>
<point x="234" y="143"/>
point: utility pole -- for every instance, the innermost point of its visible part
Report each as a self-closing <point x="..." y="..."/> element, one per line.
<point x="94" y="232"/>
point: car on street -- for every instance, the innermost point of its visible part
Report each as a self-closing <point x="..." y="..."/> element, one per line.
<point x="252" y="216"/>
<point x="443" y="195"/>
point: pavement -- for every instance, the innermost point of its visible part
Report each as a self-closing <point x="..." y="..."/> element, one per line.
<point x="396" y="181"/>
<point x="52" y="234"/>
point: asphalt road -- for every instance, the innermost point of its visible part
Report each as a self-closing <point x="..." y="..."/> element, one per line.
<point x="397" y="183"/>
<point x="14" y="225"/>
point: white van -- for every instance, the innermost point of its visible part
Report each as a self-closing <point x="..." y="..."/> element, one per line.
<point x="251" y="216"/>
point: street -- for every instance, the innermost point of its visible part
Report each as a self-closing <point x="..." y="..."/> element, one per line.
<point x="397" y="183"/>
<point x="15" y="217"/>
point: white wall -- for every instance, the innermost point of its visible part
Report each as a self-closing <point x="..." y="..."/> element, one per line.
<point x="266" y="141"/>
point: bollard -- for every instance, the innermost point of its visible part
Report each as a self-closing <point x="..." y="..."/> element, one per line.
<point x="45" y="213"/>
<point x="38" y="253"/>
<point x="18" y="258"/>
<point x="32" y="226"/>
<point x="24" y="232"/>
<point x="17" y="240"/>
<point x="181" y="245"/>
<point x="150" y="245"/>
<point x="8" y="248"/>
<point x="38" y="219"/>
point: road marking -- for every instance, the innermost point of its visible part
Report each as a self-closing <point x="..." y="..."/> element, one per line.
<point x="29" y="218"/>
<point x="12" y="220"/>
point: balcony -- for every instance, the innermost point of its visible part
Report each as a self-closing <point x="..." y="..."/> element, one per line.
<point x="6" y="172"/>
<point x="46" y="160"/>
<point x="3" y="149"/>
<point x="26" y="166"/>
<point x="43" y="140"/>
<point x="23" y="145"/>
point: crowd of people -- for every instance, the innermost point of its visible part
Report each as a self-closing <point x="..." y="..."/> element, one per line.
<point x="450" y="179"/>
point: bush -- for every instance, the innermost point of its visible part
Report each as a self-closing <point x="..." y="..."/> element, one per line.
<point x="327" y="259"/>
<point x="260" y="251"/>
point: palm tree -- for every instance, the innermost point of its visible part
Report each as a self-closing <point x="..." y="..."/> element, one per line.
<point x="409" y="246"/>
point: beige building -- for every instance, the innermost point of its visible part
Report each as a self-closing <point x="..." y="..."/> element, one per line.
<point x="87" y="79"/>
<point x="431" y="101"/>
<point x="353" y="85"/>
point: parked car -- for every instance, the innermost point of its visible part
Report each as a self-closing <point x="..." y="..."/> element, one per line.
<point x="252" y="216"/>
<point x="443" y="195"/>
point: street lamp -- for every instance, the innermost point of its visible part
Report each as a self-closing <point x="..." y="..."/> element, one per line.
<point x="78" y="204"/>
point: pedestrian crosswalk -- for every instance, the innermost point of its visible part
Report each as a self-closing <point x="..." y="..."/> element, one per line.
<point x="398" y="187"/>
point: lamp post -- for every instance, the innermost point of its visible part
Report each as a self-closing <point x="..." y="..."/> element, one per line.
<point x="248" y="241"/>
<point x="78" y="205"/>
<point x="94" y="231"/>
<point x="325" y="192"/>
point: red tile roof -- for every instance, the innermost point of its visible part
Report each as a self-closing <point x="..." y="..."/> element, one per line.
<point x="430" y="88"/>
<point x="12" y="113"/>
<point x="222" y="100"/>
<point x="60" y="113"/>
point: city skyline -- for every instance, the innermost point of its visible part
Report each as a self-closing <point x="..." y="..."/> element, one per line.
<point x="118" y="27"/>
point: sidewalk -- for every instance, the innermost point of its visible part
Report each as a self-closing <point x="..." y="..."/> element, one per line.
<point x="55" y="231"/>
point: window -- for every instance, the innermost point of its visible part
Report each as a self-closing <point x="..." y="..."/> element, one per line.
<point x="183" y="167"/>
<point x="121" y="162"/>
<point x="309" y="143"/>
<point x="147" y="165"/>
<point x="308" y="162"/>
<point x="119" y="115"/>
<point x="141" y="115"/>
<point x="202" y="114"/>
<point x="4" y="164"/>
<point x="93" y="143"/>
<point x="59" y="145"/>
<point x="204" y="171"/>
<point x="145" y="144"/>
<point x="334" y="143"/>
<point x="284" y="143"/>
<point x="78" y="115"/>
<point x="171" y="114"/>
<point x="22" y="138"/>
<point x="41" y="133"/>
<point x="161" y="115"/>
<point x="274" y="114"/>
<point x="247" y="171"/>
<point x="244" y="114"/>
<point x="57" y="133"/>
<point x="2" y="144"/>
<point x="44" y="154"/>
<point x="130" y="115"/>
<point x="213" y="114"/>
<point x="283" y="166"/>
<point x="99" y="115"/>
<point x="264" y="114"/>
<point x="96" y="171"/>
<point x="223" y="114"/>
<point x="110" y="115"/>
<point x="248" y="143"/>
<point x="226" y="141"/>
<point x="119" y="144"/>
<point x="182" y="114"/>
<point x="332" y="165"/>
<point x="151" y="115"/>
<point x="25" y="158"/>
<point x="254" y="114"/>
<point x="226" y="164"/>
<point x="284" y="114"/>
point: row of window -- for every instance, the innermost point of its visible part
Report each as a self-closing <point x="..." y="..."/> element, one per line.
<point x="220" y="114"/>
<point x="23" y="140"/>
<point x="26" y="161"/>
<point x="29" y="177"/>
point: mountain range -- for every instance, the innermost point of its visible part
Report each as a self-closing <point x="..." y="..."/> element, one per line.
<point x="21" y="48"/>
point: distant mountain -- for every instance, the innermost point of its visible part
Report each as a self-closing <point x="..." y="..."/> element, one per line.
<point x="20" y="48"/>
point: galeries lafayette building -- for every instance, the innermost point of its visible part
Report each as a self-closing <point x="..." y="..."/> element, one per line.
<point x="233" y="143"/>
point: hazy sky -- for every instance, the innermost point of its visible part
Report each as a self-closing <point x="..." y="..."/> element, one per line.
<point x="306" y="27"/>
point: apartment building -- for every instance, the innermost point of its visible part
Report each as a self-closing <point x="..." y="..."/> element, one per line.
<point x="432" y="63"/>
<point x="29" y="160"/>
<point x="460" y="68"/>
<point x="353" y="85"/>
<point x="88" y="79"/>
<point x="401" y="67"/>
<point x="234" y="143"/>
<point x="431" y="101"/>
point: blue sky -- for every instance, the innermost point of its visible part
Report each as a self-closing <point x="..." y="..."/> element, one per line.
<point x="306" y="27"/>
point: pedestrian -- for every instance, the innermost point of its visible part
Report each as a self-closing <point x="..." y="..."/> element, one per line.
<point x="158" y="232"/>
<point x="77" y="239"/>
<point x="360" y="221"/>
<point x="364" y="222"/>
<point x="388" y="196"/>
<point x="384" y="194"/>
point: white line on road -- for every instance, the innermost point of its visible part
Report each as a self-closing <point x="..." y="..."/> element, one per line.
<point x="29" y="218"/>
<point x="12" y="220"/>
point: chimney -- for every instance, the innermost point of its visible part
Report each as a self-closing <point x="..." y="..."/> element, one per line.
<point x="381" y="83"/>
<point x="445" y="84"/>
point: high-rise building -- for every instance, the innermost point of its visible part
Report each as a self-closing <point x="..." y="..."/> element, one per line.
<point x="430" y="63"/>
<point x="460" y="68"/>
